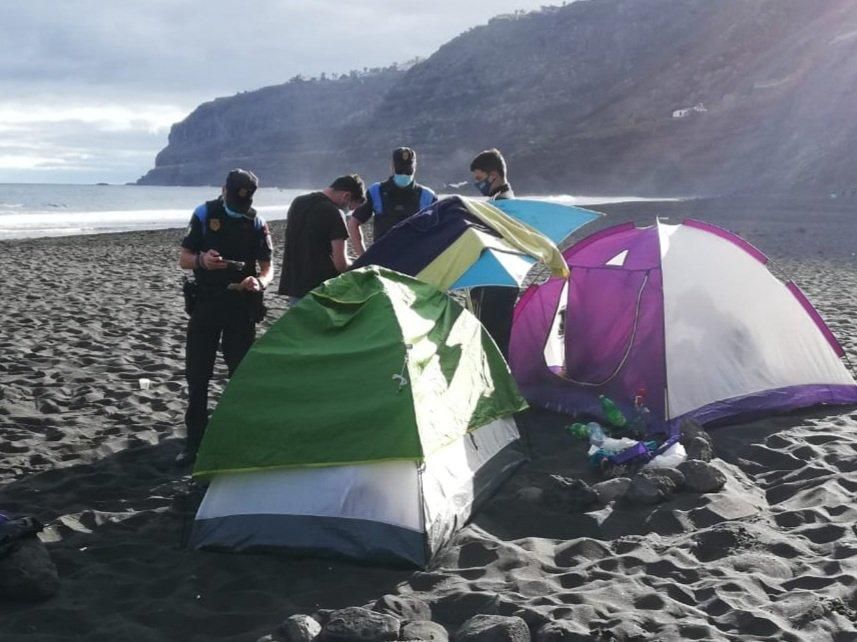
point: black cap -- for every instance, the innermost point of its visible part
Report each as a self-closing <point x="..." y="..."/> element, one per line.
<point x="404" y="160"/>
<point x="240" y="187"/>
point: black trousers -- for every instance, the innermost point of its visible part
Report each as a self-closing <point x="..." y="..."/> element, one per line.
<point x="494" y="306"/>
<point x="225" y="320"/>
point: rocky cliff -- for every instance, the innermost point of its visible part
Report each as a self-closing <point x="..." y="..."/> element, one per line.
<point x="651" y="97"/>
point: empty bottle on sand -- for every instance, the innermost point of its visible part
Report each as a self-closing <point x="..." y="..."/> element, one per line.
<point x="642" y="415"/>
<point x="596" y="434"/>
<point x="578" y="431"/>
<point x="612" y="412"/>
<point x="591" y="431"/>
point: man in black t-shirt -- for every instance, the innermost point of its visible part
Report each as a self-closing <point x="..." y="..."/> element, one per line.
<point x="228" y="247"/>
<point x="390" y="202"/>
<point x="316" y="234"/>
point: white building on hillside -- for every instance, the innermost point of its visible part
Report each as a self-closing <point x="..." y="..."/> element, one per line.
<point x="687" y="111"/>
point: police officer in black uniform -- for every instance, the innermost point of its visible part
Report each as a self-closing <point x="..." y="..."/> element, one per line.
<point x="228" y="246"/>
<point x="390" y="202"/>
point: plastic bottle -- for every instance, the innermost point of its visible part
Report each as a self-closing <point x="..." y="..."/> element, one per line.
<point x="612" y="412"/>
<point x="642" y="415"/>
<point x="596" y="434"/>
<point x="578" y="431"/>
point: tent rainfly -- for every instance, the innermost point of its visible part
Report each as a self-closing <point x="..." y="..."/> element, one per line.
<point x="459" y="243"/>
<point x="368" y="422"/>
<point x="688" y="315"/>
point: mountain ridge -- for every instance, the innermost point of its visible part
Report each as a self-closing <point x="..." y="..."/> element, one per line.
<point x="581" y="98"/>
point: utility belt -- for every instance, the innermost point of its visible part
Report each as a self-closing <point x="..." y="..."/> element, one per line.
<point x="194" y="292"/>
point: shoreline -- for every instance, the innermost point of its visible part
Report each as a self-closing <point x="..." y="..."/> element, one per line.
<point x="780" y="226"/>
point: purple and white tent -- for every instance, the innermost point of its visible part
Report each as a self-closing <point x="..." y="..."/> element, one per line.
<point x="688" y="313"/>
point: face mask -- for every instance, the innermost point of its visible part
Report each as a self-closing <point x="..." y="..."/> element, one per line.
<point x="484" y="186"/>
<point x="232" y="213"/>
<point x="403" y="180"/>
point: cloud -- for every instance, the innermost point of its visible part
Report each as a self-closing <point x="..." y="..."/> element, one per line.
<point x="81" y="144"/>
<point x="119" y="73"/>
<point x="117" y="117"/>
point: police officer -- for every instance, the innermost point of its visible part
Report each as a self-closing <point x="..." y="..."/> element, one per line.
<point x="228" y="246"/>
<point x="391" y="201"/>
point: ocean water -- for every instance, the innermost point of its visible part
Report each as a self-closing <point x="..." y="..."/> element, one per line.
<point x="36" y="210"/>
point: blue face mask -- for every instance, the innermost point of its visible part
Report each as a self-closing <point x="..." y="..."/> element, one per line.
<point x="484" y="186"/>
<point x="403" y="180"/>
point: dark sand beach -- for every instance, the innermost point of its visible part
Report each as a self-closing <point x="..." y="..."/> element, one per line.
<point x="772" y="556"/>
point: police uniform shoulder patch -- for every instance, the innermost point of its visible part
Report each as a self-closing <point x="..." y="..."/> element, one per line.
<point x="214" y="224"/>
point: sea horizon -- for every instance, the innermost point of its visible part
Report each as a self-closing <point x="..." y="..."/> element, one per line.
<point x="38" y="210"/>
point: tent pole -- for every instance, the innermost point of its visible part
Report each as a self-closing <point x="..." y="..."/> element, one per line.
<point x="660" y="269"/>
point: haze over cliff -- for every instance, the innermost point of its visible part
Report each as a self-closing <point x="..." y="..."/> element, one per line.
<point x="651" y="97"/>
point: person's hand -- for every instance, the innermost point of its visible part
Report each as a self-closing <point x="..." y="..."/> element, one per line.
<point x="251" y="284"/>
<point x="211" y="260"/>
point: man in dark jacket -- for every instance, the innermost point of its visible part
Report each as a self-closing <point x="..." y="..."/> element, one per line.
<point x="228" y="247"/>
<point x="494" y="305"/>
<point x="390" y="202"/>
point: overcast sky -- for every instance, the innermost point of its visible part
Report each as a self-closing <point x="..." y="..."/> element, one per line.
<point x="89" y="89"/>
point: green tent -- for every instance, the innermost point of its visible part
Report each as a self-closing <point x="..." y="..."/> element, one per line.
<point x="373" y="374"/>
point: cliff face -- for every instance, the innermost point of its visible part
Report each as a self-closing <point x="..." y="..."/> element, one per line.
<point x="586" y="98"/>
<point x="290" y="134"/>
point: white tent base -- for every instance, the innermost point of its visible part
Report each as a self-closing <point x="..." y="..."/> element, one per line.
<point x="389" y="512"/>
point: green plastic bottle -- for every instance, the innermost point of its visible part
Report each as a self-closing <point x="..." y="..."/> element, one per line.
<point x="612" y="412"/>
<point x="578" y="431"/>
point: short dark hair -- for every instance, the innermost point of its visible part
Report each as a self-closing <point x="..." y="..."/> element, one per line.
<point x="351" y="183"/>
<point x="491" y="160"/>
